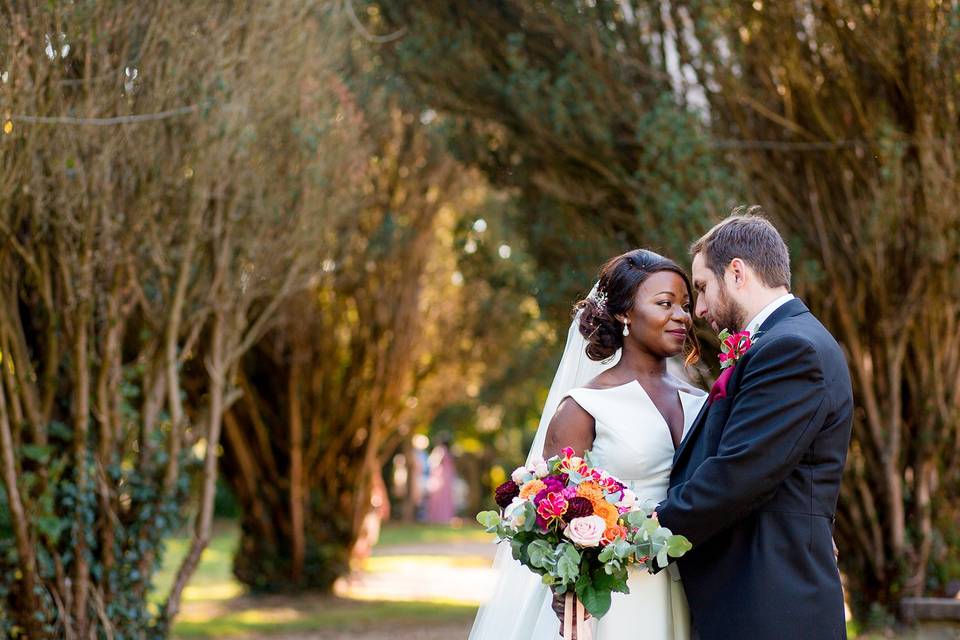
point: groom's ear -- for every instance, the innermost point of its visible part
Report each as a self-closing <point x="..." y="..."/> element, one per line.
<point x="736" y="272"/>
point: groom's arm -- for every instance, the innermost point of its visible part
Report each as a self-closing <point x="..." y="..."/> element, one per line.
<point x="771" y="424"/>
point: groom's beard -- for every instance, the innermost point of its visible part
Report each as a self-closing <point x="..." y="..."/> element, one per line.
<point x="730" y="315"/>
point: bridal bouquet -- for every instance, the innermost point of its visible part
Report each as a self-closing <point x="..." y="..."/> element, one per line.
<point x="579" y="527"/>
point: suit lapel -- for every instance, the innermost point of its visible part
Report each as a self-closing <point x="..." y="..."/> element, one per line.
<point x="787" y="310"/>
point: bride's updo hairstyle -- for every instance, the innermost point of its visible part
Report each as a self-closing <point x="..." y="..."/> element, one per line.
<point x="617" y="288"/>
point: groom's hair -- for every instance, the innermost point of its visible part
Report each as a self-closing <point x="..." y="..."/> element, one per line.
<point x="747" y="235"/>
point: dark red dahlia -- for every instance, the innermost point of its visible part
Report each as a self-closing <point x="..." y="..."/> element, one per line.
<point x="578" y="507"/>
<point x="554" y="483"/>
<point x="505" y="493"/>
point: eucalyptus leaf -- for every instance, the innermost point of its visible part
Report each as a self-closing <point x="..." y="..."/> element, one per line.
<point x="637" y="518"/>
<point x="567" y="569"/>
<point x="569" y="551"/>
<point x="661" y="535"/>
<point x="622" y="548"/>
<point x="662" y="558"/>
<point x="517" y="550"/>
<point x="489" y="520"/>
<point x="529" y="517"/>
<point x="607" y="554"/>
<point x="541" y="555"/>
<point x="678" y="545"/>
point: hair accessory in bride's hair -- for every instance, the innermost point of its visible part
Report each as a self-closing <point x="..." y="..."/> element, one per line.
<point x="600" y="299"/>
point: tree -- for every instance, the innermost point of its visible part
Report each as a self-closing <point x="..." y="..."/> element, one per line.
<point x="162" y="194"/>
<point x="839" y="116"/>
<point x="378" y="344"/>
<point x="571" y="107"/>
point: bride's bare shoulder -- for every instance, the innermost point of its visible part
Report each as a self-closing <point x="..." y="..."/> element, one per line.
<point x="571" y="426"/>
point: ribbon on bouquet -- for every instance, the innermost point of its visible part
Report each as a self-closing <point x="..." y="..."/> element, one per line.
<point x="574" y="618"/>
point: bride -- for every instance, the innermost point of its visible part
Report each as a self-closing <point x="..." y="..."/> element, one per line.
<point x="614" y="395"/>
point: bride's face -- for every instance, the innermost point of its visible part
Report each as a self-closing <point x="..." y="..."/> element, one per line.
<point x="660" y="319"/>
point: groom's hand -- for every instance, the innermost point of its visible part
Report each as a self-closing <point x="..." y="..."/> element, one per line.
<point x="559" y="600"/>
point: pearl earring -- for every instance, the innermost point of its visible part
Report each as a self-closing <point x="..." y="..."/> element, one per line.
<point x="626" y="329"/>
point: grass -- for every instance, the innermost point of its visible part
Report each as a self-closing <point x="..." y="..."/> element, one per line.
<point x="213" y="579"/>
<point x="215" y="604"/>
<point x="325" y="614"/>
<point x="394" y="534"/>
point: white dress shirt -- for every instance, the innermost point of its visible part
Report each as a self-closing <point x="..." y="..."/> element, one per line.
<point x="754" y="325"/>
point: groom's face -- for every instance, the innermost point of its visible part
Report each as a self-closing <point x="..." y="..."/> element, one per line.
<point x="714" y="302"/>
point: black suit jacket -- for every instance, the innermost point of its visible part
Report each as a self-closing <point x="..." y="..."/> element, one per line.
<point x="755" y="485"/>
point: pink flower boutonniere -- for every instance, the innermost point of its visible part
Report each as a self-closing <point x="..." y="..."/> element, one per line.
<point x="732" y="348"/>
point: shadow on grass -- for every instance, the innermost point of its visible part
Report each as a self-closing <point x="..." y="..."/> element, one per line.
<point x="322" y="614"/>
<point x="216" y="605"/>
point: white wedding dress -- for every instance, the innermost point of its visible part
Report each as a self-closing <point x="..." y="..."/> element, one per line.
<point x="633" y="443"/>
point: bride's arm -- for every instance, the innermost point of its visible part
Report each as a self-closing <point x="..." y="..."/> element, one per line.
<point x="571" y="426"/>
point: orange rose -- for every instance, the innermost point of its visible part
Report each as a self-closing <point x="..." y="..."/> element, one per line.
<point x="532" y="488"/>
<point x="591" y="491"/>
<point x="607" y="511"/>
<point x="614" y="532"/>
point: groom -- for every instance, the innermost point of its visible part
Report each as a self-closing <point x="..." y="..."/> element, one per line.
<point x="755" y="481"/>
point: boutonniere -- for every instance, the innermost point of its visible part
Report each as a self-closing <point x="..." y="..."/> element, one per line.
<point x="732" y="348"/>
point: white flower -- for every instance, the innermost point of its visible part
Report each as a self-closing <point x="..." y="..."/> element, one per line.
<point x="515" y="515"/>
<point x="539" y="466"/>
<point x="520" y="475"/>
<point x="586" y="531"/>
<point x="628" y="500"/>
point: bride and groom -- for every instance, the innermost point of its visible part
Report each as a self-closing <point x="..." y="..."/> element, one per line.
<point x="749" y="473"/>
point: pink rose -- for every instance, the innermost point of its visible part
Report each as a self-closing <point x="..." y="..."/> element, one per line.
<point x="587" y="531"/>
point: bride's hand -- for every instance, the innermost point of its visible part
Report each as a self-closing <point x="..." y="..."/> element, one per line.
<point x="559" y="600"/>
